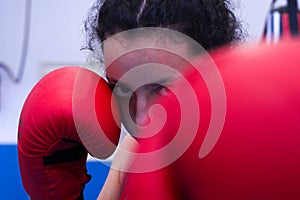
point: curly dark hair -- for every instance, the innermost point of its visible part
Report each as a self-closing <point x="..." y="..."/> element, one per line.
<point x="209" y="22"/>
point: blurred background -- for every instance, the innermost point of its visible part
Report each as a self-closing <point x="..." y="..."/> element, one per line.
<point x="39" y="36"/>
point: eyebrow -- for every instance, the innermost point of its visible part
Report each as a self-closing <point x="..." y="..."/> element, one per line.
<point x="113" y="82"/>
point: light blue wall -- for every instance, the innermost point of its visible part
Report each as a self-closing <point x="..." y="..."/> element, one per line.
<point x="55" y="39"/>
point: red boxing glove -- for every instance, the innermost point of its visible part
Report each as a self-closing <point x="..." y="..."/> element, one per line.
<point x="257" y="153"/>
<point x="69" y="112"/>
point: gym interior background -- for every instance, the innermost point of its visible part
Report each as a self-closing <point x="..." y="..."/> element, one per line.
<point x="39" y="36"/>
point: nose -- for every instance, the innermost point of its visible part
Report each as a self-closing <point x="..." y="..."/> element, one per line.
<point x="140" y="104"/>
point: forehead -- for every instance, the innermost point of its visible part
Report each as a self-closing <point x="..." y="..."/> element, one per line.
<point x="121" y="44"/>
<point x="146" y="64"/>
<point x="133" y="49"/>
<point x="146" y="55"/>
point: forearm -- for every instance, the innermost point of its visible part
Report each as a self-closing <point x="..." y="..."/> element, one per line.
<point x="111" y="189"/>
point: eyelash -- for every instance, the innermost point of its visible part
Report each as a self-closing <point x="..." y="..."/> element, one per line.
<point x="161" y="90"/>
<point x="156" y="89"/>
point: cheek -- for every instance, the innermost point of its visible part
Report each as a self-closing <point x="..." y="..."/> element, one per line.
<point x="127" y="108"/>
<point x="127" y="115"/>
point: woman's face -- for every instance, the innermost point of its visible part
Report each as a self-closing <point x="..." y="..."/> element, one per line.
<point x="140" y="74"/>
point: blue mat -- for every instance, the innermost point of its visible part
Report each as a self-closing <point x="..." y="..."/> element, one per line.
<point x="11" y="185"/>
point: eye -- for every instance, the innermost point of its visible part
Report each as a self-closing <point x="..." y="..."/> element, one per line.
<point x="161" y="90"/>
<point x="123" y="91"/>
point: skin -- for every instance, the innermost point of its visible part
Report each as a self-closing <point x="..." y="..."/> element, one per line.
<point x="137" y="89"/>
<point x="112" y="188"/>
<point x="139" y="77"/>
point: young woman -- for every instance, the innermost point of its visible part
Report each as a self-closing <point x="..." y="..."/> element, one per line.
<point x="130" y="33"/>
